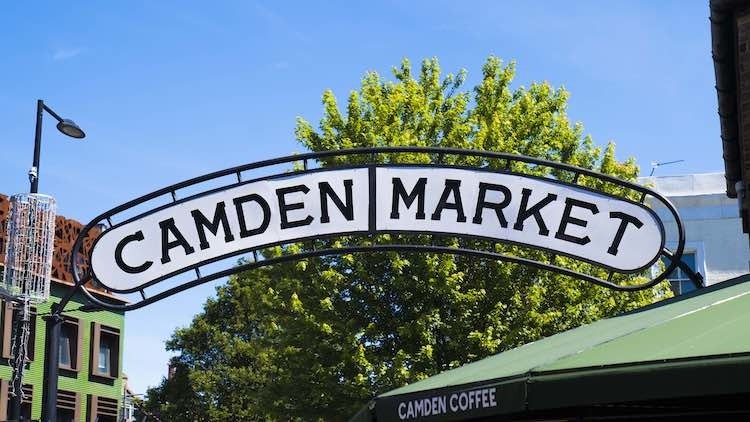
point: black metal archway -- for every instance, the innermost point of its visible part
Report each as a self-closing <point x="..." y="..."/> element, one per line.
<point x="371" y="158"/>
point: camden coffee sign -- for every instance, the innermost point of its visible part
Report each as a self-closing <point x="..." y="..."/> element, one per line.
<point x="608" y="231"/>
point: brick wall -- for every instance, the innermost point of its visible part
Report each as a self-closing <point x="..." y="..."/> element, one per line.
<point x="743" y="96"/>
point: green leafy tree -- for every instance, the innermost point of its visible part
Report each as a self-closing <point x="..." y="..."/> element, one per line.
<point x="174" y="399"/>
<point x="316" y="339"/>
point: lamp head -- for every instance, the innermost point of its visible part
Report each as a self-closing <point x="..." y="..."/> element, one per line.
<point x="70" y="128"/>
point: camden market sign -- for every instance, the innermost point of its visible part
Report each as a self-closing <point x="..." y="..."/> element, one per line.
<point x="612" y="232"/>
<point x="568" y="220"/>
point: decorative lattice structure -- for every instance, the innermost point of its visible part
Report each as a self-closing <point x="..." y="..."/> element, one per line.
<point x="30" y="246"/>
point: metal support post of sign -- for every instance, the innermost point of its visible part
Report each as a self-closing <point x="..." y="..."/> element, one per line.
<point x="54" y="321"/>
<point x="54" y="324"/>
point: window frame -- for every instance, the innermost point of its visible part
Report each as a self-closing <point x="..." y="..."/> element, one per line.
<point x="8" y="322"/>
<point x="5" y="399"/>
<point x="677" y="282"/>
<point x="76" y="357"/>
<point x="69" y="400"/>
<point x="98" y="333"/>
<point x="696" y="248"/>
<point x="680" y="274"/>
<point x="101" y="406"/>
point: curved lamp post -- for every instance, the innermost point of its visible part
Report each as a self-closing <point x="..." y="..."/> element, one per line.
<point x="69" y="128"/>
<point x="66" y="126"/>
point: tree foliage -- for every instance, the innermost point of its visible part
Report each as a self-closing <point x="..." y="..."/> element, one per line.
<point x="316" y="339"/>
<point x="174" y="399"/>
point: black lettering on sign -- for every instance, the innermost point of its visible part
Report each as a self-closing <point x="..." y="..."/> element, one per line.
<point x="284" y="208"/>
<point x="567" y="219"/>
<point x="524" y="212"/>
<point x="451" y="187"/>
<point x="239" y="202"/>
<point x="347" y="210"/>
<point x="135" y="237"/>
<point x="625" y="219"/>
<point x="167" y="226"/>
<point x="498" y="207"/>
<point x="202" y="223"/>
<point x="416" y="193"/>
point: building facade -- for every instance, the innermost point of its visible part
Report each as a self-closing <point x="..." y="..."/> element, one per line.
<point x="715" y="245"/>
<point x="730" y="50"/>
<point x="90" y="381"/>
<point x="127" y="409"/>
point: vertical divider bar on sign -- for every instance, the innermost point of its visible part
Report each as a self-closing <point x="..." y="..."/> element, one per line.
<point x="372" y="199"/>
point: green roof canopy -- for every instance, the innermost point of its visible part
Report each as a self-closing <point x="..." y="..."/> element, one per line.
<point x="695" y="345"/>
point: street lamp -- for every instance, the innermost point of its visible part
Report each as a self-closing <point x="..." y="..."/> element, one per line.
<point x="66" y="126"/>
<point x="69" y="128"/>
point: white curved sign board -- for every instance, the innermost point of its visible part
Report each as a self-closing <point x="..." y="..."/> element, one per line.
<point x="614" y="233"/>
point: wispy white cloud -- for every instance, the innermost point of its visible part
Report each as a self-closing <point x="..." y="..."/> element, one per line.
<point x="277" y="22"/>
<point x="66" y="53"/>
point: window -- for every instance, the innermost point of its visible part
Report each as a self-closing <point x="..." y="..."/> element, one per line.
<point x="10" y="319"/>
<point x="71" y="340"/>
<point x="679" y="280"/>
<point x="127" y="412"/>
<point x="66" y="415"/>
<point x="105" y="353"/>
<point x="6" y="400"/>
<point x="64" y="352"/>
<point x="101" y="409"/>
<point x="68" y="406"/>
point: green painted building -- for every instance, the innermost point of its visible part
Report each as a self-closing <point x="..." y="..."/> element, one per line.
<point x="90" y="379"/>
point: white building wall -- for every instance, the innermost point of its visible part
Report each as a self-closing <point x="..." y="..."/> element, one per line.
<point x="713" y="228"/>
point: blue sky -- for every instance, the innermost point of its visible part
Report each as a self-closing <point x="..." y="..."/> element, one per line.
<point x="171" y="90"/>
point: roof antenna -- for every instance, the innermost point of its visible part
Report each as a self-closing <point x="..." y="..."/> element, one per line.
<point x="655" y="164"/>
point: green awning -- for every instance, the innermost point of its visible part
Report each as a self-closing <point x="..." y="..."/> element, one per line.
<point x="691" y="346"/>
